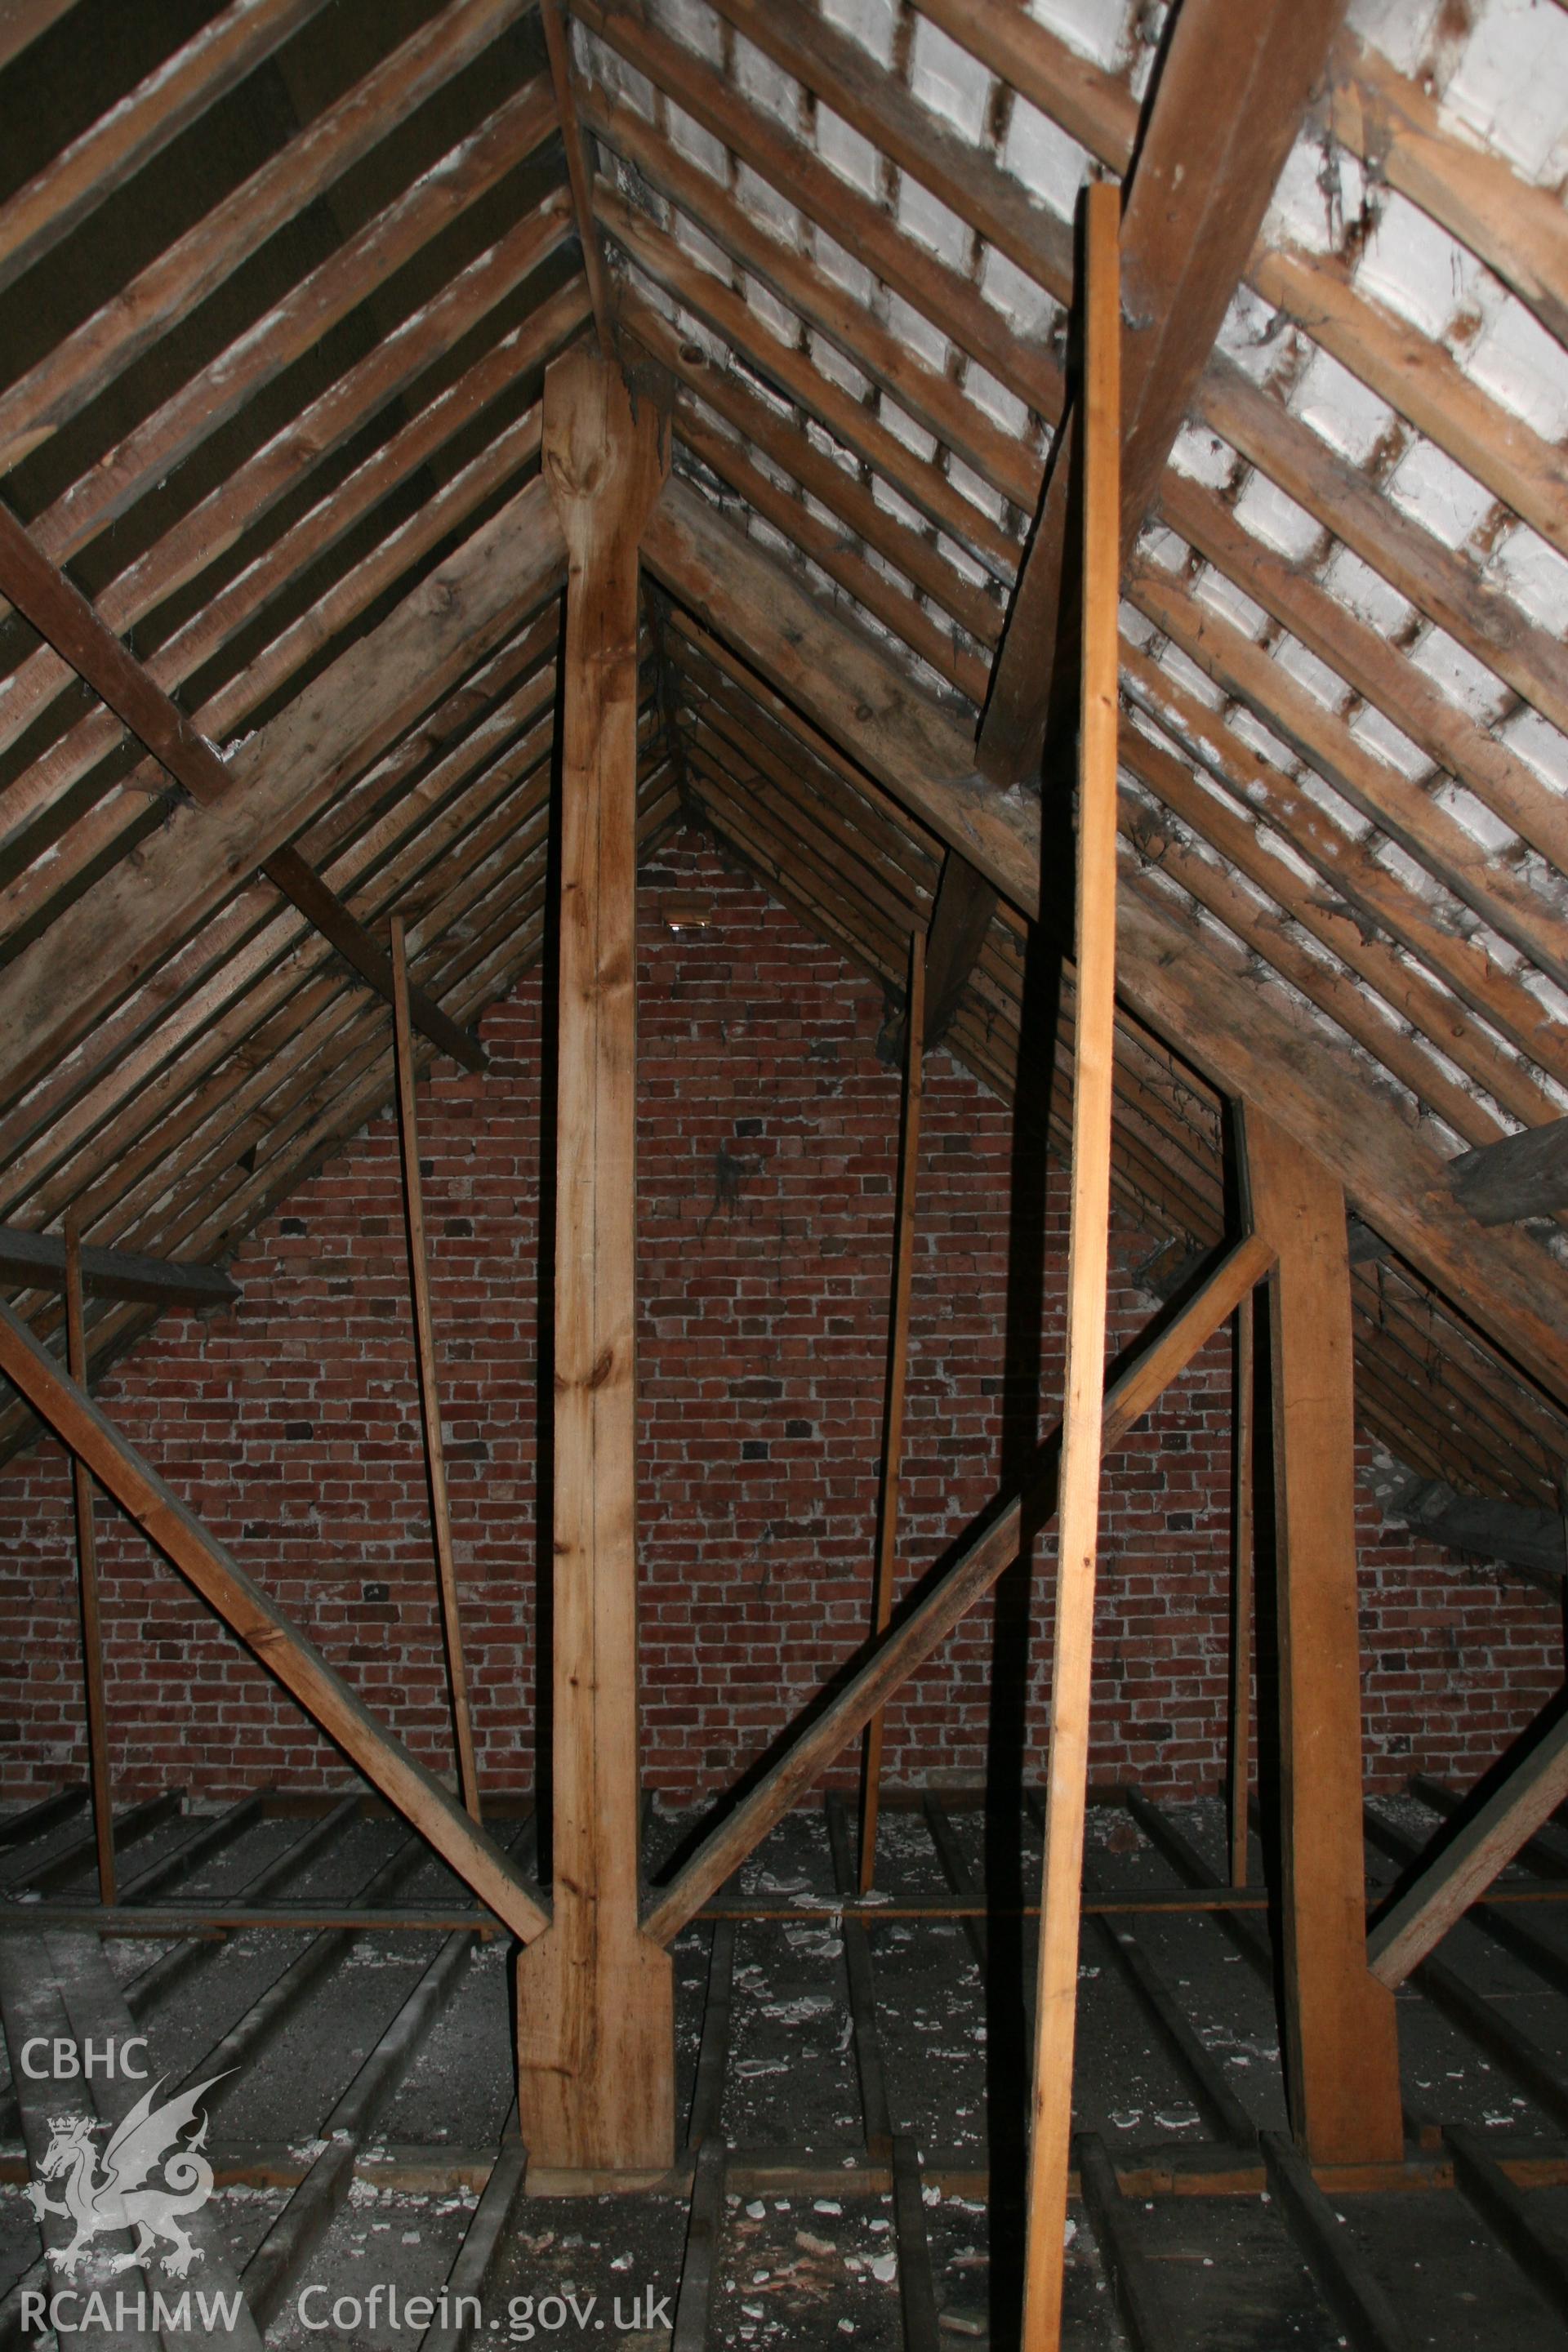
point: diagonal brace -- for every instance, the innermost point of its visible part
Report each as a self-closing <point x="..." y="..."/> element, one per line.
<point x="1417" y="1921"/>
<point x="220" y="1581"/>
<point x="60" y="611"/>
<point x="971" y="1575"/>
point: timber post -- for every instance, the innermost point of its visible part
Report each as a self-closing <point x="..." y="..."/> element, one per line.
<point x="594" y="1994"/>
<point x="1341" y="2040"/>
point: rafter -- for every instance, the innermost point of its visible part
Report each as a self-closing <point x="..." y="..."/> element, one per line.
<point x="249" y="958"/>
<point x="1418" y="378"/>
<point x="1198" y="189"/>
<point x="1401" y="809"/>
<point x="356" y="1079"/>
<point x="1476" y="757"/>
<point x="1255" y="852"/>
<point x="41" y="1260"/>
<point x="60" y="386"/>
<point x="1379" y="899"/>
<point x="795" y="171"/>
<point x="23" y="21"/>
<point x="969" y="181"/>
<point x="579" y="172"/>
<point x="710" y="391"/>
<point x="1185" y="983"/>
<point x="1418" y="1371"/>
<point x="278" y="471"/>
<point x="878" y="352"/>
<point x="111" y="151"/>
<point x="94" y="955"/>
<point x="189" y="417"/>
<point x="61" y="613"/>
<point x="794" y="374"/>
<point x="1392" y="123"/>
<point x="1089" y="104"/>
<point x="1443" y="584"/>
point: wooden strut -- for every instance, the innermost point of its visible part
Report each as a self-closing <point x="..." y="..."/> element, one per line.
<point x="38" y="1260"/>
<point x="61" y="613"/>
<point x="1066" y="1768"/>
<point x="1524" y="1175"/>
<point x="580" y="174"/>
<point x="87" y="1584"/>
<point x="429" y="1386"/>
<point x="220" y="1581"/>
<point x="1242" y="1541"/>
<point x="897" y="1373"/>
<point x="1340" y="2041"/>
<point x="1199" y="184"/>
<point x="595" y="1996"/>
<point x="968" y="1578"/>
<point x="1413" y="1924"/>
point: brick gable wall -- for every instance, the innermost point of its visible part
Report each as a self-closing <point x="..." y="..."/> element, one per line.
<point x="767" y="1141"/>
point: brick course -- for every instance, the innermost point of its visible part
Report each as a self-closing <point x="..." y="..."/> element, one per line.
<point x="767" y="1134"/>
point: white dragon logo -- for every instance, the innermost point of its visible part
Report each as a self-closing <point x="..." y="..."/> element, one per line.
<point x="116" y="2200"/>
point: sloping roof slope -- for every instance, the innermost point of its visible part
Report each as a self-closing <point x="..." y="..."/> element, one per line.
<point x="277" y="284"/>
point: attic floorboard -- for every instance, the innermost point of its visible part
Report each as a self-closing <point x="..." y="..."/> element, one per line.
<point x="808" y="2216"/>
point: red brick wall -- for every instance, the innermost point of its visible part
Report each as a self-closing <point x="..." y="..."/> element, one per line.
<point x="767" y="1140"/>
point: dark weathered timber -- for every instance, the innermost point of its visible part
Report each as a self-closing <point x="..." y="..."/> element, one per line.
<point x="138" y="1820"/>
<point x="205" y="1838"/>
<point x="1330" y="2253"/>
<point x="875" y="2112"/>
<point x="38" y="1819"/>
<point x="1540" y="2249"/>
<point x="1227" y="2116"/>
<point x="307" y="2216"/>
<point x="1523" y="1175"/>
<point x="156" y="1983"/>
<point x="60" y="611"/>
<point x="1131" y="2276"/>
<point x="956" y="1871"/>
<point x="916" y="2287"/>
<point x="483" y="2239"/>
<point x="1250" y="1938"/>
<point x="270" y="2011"/>
<point x="1534" y="2071"/>
<point x="960" y="918"/>
<point x="694" y="2302"/>
<point x="713" y="2056"/>
<point x="38" y="1260"/>
<point x="1531" y="1541"/>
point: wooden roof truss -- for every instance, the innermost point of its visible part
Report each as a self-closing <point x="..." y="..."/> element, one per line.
<point x="278" y="292"/>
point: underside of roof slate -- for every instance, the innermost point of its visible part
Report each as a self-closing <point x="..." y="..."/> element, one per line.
<point x="278" y="282"/>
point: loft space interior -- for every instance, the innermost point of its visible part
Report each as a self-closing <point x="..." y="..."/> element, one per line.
<point x="783" y="1147"/>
